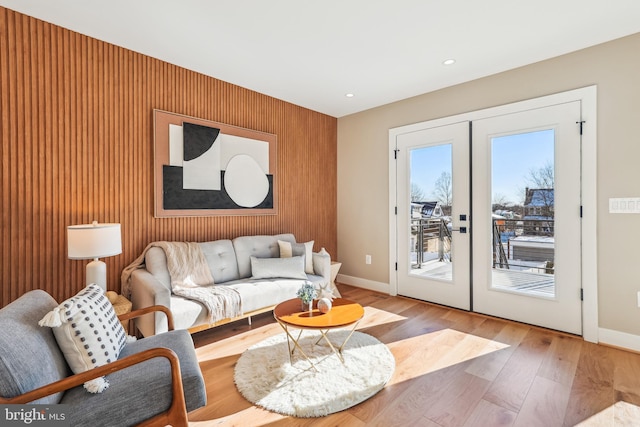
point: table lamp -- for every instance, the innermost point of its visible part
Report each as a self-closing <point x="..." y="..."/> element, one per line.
<point x="93" y="241"/>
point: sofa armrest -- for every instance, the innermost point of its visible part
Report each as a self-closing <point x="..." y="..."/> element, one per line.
<point x="142" y="311"/>
<point x="322" y="266"/>
<point x="175" y="415"/>
<point x="147" y="291"/>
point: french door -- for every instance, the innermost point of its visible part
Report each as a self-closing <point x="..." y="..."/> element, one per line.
<point x="511" y="186"/>
<point x="527" y="268"/>
<point x="434" y="243"/>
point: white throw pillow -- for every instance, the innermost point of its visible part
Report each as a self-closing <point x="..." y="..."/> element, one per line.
<point x="270" y="268"/>
<point x="288" y="250"/>
<point x="88" y="332"/>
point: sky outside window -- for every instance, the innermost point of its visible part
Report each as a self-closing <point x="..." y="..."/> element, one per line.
<point x="427" y="164"/>
<point x="513" y="157"/>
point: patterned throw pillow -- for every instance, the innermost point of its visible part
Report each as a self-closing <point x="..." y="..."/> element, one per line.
<point x="88" y="332"/>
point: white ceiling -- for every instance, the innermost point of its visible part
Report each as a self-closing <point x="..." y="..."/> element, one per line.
<point x="312" y="53"/>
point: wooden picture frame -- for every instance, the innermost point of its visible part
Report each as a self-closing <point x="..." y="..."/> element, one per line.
<point x="206" y="168"/>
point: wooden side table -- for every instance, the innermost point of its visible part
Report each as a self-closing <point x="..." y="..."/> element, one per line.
<point x="121" y="306"/>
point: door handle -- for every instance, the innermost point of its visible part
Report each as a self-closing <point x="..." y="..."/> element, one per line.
<point x="462" y="230"/>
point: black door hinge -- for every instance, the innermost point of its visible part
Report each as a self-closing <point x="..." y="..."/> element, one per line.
<point x="395" y="154"/>
<point x="580" y="211"/>
<point x="581" y="123"/>
<point x="396" y="266"/>
<point x="581" y="294"/>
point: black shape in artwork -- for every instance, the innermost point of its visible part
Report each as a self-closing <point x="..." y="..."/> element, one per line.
<point x="176" y="197"/>
<point x="197" y="139"/>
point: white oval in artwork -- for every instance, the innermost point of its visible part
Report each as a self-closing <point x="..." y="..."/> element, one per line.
<point x="245" y="181"/>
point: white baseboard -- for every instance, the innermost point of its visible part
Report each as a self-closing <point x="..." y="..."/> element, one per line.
<point x="619" y="339"/>
<point x="372" y="285"/>
<point x="605" y="336"/>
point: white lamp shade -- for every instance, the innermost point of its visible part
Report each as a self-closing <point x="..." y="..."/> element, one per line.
<point x="90" y="241"/>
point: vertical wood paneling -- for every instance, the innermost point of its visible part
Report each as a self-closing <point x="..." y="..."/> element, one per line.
<point x="77" y="145"/>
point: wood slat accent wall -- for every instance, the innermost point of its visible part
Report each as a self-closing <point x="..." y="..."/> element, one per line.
<point x="77" y="146"/>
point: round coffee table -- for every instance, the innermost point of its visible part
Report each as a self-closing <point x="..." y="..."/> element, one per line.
<point x="343" y="313"/>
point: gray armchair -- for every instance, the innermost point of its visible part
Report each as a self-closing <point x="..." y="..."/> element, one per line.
<point x="155" y="380"/>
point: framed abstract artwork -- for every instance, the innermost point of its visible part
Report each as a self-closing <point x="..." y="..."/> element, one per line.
<point x="205" y="168"/>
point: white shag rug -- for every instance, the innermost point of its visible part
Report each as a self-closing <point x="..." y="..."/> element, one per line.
<point x="265" y="377"/>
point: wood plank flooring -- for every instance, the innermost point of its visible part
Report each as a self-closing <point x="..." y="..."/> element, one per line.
<point x="453" y="368"/>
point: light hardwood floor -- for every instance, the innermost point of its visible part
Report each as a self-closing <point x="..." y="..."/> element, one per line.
<point x="453" y="368"/>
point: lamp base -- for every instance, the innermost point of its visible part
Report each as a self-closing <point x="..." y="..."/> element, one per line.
<point x="97" y="273"/>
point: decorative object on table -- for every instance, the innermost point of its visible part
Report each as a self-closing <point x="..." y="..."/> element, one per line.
<point x="307" y="293"/>
<point x="206" y="168"/>
<point x="93" y="241"/>
<point x="324" y="305"/>
<point x="112" y="296"/>
<point x="291" y="388"/>
<point x="326" y="292"/>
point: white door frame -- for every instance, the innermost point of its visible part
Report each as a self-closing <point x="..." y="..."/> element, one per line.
<point x="588" y="98"/>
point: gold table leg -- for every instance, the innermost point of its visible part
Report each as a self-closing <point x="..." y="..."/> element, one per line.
<point x="323" y="334"/>
<point x="290" y="339"/>
<point x="338" y="352"/>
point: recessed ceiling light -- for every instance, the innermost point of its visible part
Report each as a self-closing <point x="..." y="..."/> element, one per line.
<point x="449" y="62"/>
<point x="349" y="95"/>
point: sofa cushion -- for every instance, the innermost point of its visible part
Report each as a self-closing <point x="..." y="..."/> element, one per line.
<point x="87" y="331"/>
<point x="269" y="268"/>
<point x="288" y="249"/>
<point x="260" y="293"/>
<point x="256" y="294"/>
<point x="258" y="246"/>
<point x="221" y="259"/>
<point x="187" y="312"/>
<point x="141" y="391"/>
<point x="29" y="355"/>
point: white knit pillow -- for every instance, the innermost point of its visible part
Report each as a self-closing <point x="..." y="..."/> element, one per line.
<point x="287" y="250"/>
<point x="269" y="268"/>
<point x="88" y="332"/>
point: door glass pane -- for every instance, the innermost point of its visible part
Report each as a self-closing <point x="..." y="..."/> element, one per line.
<point x="431" y="200"/>
<point x="522" y="188"/>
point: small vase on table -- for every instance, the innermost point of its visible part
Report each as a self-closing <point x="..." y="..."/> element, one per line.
<point x="306" y="305"/>
<point x="307" y="293"/>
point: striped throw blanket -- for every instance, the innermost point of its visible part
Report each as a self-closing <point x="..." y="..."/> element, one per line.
<point x="192" y="279"/>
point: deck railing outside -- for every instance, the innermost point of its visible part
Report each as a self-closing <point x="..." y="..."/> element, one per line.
<point x="431" y="235"/>
<point x="524" y="244"/>
<point x="518" y="244"/>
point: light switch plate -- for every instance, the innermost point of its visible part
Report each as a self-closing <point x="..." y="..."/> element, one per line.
<point x="624" y="205"/>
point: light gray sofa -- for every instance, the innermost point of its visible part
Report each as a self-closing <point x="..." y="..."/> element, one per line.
<point x="147" y="382"/>
<point x="230" y="265"/>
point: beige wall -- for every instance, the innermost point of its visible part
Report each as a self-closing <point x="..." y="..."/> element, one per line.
<point x="363" y="157"/>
